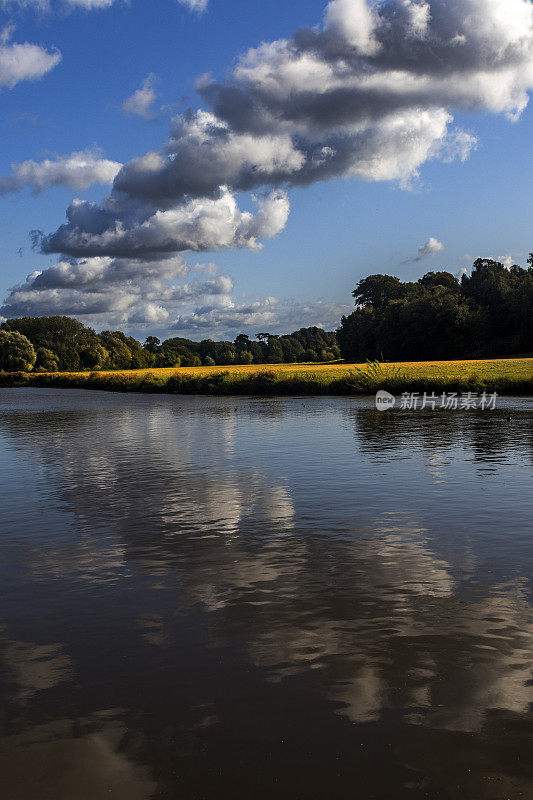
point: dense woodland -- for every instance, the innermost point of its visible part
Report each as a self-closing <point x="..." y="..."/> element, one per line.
<point x="489" y="313"/>
<point x="62" y="344"/>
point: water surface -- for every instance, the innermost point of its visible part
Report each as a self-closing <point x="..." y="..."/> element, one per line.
<point x="263" y="598"/>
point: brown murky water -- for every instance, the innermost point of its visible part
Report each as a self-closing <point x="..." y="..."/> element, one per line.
<point x="220" y="598"/>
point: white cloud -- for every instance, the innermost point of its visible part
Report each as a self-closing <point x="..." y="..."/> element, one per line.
<point x="209" y="155"/>
<point x="42" y="5"/>
<point x="142" y="100"/>
<point x="508" y="261"/>
<point x="77" y="171"/>
<point x="166" y="293"/>
<point x="45" y="5"/>
<point x="354" y="22"/>
<point x="90" y="4"/>
<point x="430" y="248"/>
<point x="24" y="62"/>
<point x="142" y="232"/>
<point x="370" y="94"/>
<point x="195" y="5"/>
<point x="124" y="290"/>
<point x="270" y="314"/>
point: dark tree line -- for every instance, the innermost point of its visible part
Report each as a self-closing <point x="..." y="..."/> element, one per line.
<point x="489" y="313"/>
<point x="62" y="344"/>
<point x="307" y="344"/>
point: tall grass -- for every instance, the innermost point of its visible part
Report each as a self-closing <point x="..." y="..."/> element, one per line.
<point x="511" y="376"/>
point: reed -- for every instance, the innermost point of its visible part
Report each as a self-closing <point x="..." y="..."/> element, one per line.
<point x="505" y="376"/>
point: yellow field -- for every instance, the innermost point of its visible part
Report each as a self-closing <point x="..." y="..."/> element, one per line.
<point x="505" y="376"/>
<point x="514" y="368"/>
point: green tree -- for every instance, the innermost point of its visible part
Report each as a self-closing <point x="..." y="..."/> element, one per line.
<point x="258" y="351"/>
<point x="226" y="356"/>
<point x="275" y="351"/>
<point x="94" y="356"/>
<point x="168" y="358"/>
<point x="242" y="342"/>
<point x="378" y="290"/>
<point x="446" y="279"/>
<point x="244" y="357"/>
<point x="46" y="361"/>
<point x="115" y="343"/>
<point x="152" y="344"/>
<point x="358" y="334"/>
<point x="64" y="336"/>
<point x="440" y="318"/>
<point x="16" y="352"/>
<point x="140" y="358"/>
<point x="309" y="355"/>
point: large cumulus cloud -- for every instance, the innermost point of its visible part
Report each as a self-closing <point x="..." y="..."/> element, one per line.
<point x="77" y="171"/>
<point x="369" y="94"/>
<point x="115" y="290"/>
<point x="162" y="292"/>
<point x="139" y="230"/>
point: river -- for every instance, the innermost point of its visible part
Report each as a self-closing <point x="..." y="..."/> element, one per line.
<point x="264" y="598"/>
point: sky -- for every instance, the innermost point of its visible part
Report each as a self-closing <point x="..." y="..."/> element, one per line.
<point x="202" y="168"/>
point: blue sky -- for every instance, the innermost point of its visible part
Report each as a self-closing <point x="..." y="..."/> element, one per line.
<point x="339" y="228"/>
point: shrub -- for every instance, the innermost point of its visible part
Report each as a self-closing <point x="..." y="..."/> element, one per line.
<point x="244" y="357"/>
<point x="17" y="353"/>
<point x="46" y="361"/>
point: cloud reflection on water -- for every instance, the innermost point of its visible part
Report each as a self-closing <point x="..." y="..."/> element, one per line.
<point x="385" y="603"/>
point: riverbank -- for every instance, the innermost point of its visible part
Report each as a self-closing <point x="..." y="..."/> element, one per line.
<point x="505" y="376"/>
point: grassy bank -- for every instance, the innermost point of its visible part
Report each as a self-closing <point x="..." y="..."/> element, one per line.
<point x="505" y="376"/>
